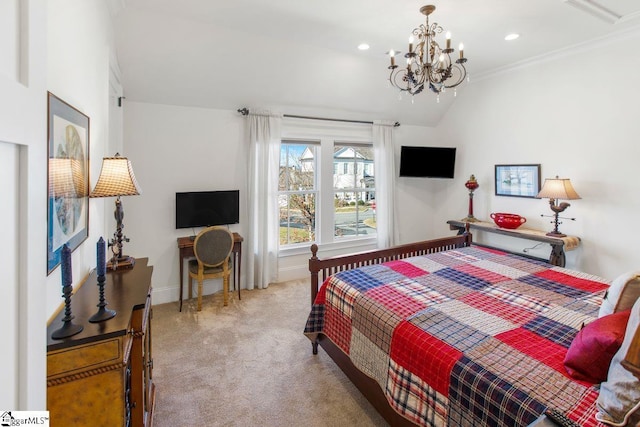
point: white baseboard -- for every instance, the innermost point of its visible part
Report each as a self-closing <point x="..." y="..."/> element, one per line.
<point x="294" y="272"/>
<point x="171" y="293"/>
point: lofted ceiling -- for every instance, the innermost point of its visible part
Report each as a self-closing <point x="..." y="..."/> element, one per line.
<point x="299" y="57"/>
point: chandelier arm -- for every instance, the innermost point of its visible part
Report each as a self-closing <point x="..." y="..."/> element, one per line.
<point x="463" y="75"/>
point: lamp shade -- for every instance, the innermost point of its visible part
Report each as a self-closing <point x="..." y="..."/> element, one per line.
<point x="66" y="178"/>
<point x="557" y="188"/>
<point x="116" y="179"/>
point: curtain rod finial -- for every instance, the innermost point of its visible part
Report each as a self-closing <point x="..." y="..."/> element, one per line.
<point x="243" y="111"/>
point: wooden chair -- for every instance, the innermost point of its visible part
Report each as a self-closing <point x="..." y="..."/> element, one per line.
<point x="212" y="248"/>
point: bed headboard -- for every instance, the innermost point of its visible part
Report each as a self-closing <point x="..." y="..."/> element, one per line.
<point x="632" y="361"/>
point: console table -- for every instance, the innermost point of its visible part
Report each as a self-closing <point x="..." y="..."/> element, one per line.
<point x="102" y="376"/>
<point x="185" y="245"/>
<point x="558" y="244"/>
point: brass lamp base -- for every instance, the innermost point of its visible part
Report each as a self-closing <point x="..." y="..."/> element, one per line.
<point x="121" y="263"/>
<point x="470" y="219"/>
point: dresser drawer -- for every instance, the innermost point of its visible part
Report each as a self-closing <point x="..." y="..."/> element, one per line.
<point x="85" y="358"/>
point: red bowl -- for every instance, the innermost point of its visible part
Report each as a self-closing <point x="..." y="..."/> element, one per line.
<point x="507" y="220"/>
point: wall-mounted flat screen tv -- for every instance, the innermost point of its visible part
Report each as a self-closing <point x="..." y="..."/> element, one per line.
<point x="206" y="208"/>
<point x="427" y="162"/>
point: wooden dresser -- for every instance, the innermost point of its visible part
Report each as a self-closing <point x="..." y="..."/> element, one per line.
<point x="103" y="375"/>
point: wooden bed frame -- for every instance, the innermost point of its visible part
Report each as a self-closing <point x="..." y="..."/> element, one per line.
<point x="321" y="269"/>
<point x="328" y="266"/>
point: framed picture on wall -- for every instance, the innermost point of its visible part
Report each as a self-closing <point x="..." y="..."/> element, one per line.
<point x="68" y="179"/>
<point x="518" y="180"/>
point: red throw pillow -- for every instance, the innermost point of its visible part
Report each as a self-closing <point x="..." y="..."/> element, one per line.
<point x="591" y="351"/>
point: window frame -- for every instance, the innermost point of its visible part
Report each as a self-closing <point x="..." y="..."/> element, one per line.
<point x="326" y="135"/>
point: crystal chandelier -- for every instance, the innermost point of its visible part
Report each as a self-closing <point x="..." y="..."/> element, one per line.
<point x="428" y="65"/>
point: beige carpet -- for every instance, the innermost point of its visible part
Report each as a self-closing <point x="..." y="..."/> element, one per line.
<point x="248" y="364"/>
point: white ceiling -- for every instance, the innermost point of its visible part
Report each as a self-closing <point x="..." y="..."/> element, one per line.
<point x="299" y="57"/>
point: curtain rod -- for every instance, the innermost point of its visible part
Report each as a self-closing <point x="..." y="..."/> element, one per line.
<point x="245" y="111"/>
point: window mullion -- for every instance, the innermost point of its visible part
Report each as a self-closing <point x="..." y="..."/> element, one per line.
<point x="325" y="187"/>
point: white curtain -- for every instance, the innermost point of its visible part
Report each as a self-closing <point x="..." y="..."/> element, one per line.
<point x="263" y="130"/>
<point x="385" y="175"/>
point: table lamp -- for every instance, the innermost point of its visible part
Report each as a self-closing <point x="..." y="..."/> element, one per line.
<point x="555" y="189"/>
<point x="472" y="185"/>
<point x="116" y="180"/>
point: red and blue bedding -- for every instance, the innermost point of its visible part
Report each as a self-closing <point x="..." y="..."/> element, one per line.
<point x="465" y="337"/>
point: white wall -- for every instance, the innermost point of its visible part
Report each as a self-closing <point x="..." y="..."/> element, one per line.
<point x="62" y="46"/>
<point x="576" y="116"/>
<point x="23" y="161"/>
<point x="175" y="149"/>
<point x="418" y="198"/>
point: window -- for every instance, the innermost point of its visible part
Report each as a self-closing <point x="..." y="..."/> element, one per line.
<point x="354" y="191"/>
<point x="326" y="189"/>
<point x="297" y="193"/>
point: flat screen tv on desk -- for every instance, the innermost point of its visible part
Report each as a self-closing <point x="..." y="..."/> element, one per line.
<point x="206" y="208"/>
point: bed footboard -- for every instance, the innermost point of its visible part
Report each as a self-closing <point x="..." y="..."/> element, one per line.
<point x="320" y="269"/>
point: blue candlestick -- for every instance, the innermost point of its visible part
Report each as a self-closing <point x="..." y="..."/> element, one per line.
<point x="66" y="266"/>
<point x="102" y="264"/>
<point x="68" y="327"/>
<point x="103" y="313"/>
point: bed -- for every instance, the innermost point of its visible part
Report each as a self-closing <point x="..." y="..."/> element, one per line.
<point x="444" y="332"/>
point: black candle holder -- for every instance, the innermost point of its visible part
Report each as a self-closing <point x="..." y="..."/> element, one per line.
<point x="103" y="313"/>
<point x="68" y="327"/>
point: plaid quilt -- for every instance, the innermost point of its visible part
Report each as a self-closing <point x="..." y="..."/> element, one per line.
<point x="466" y="337"/>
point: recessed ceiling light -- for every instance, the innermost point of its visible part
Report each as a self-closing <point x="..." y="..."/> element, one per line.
<point x="511" y="36"/>
<point x="363" y="46"/>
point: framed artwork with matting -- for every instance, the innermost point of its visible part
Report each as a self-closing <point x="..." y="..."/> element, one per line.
<point x="518" y="180"/>
<point x="68" y="178"/>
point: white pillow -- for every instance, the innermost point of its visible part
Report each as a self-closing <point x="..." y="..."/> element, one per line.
<point x="622" y="294"/>
<point x="619" y="398"/>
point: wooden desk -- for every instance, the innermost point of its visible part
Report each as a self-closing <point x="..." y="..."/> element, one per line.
<point x="558" y="244"/>
<point x="185" y="245"/>
<point x="103" y="376"/>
